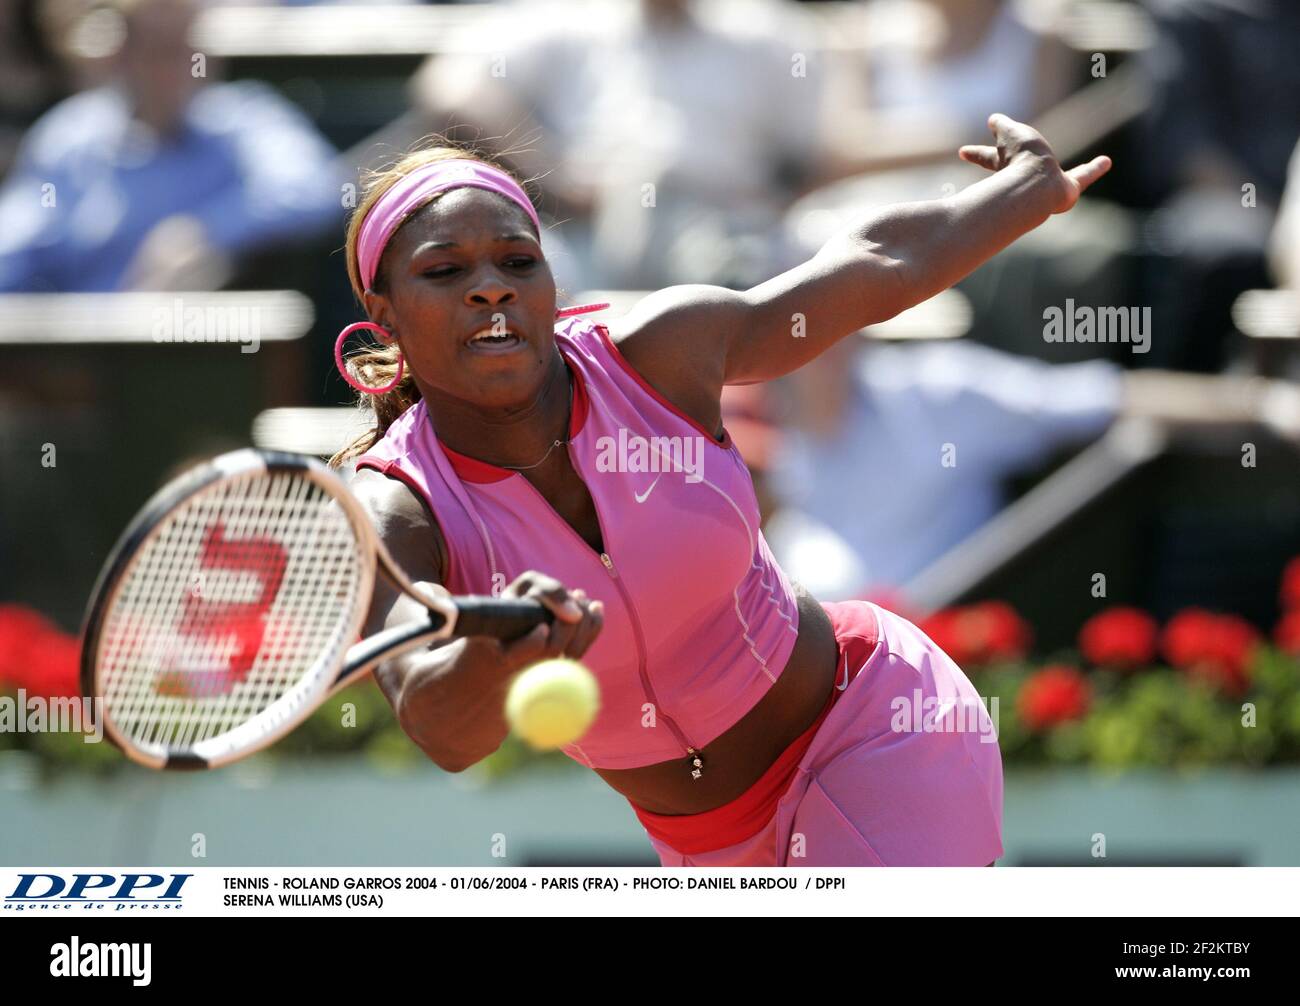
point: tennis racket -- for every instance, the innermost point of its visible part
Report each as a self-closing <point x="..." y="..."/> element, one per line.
<point x="232" y="605"/>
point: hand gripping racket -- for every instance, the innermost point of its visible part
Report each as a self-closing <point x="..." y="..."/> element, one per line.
<point x="231" y="607"/>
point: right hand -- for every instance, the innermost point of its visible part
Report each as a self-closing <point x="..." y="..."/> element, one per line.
<point x="578" y="620"/>
<point x="454" y="709"/>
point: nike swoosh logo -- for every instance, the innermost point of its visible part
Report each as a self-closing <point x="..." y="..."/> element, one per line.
<point x="642" y="497"/>
<point x="840" y="688"/>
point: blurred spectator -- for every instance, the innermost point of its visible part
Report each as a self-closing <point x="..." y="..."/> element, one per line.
<point x="671" y="134"/>
<point x="160" y="179"/>
<point x="932" y="71"/>
<point x="808" y="550"/>
<point x="30" y="77"/>
<point x="1285" y="250"/>
<point x="1214" y="150"/>
<point x="1222" y="70"/>
<point x="913" y="80"/>
<point x="904" y="450"/>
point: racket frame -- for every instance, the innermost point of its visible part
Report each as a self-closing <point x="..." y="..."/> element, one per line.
<point x="329" y="674"/>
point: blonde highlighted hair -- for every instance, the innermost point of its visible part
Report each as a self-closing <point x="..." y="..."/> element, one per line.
<point x="376" y="367"/>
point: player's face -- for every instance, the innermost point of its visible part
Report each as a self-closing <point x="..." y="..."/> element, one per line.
<point x="469" y="262"/>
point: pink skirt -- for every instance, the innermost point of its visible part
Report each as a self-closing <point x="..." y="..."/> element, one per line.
<point x="904" y="770"/>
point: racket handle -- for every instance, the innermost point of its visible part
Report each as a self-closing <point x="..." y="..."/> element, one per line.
<point x="491" y="616"/>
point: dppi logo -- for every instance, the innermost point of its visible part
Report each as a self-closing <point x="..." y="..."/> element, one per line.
<point x="97" y="892"/>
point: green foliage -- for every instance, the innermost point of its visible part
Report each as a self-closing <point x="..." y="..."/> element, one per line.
<point x="1155" y="717"/>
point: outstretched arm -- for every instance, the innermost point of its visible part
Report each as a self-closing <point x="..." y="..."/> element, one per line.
<point x="689" y="341"/>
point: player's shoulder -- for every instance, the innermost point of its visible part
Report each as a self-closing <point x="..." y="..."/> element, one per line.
<point x="673" y="342"/>
<point x="583" y="337"/>
<point x="679" y="328"/>
<point x="402" y="521"/>
<point x="388" y="501"/>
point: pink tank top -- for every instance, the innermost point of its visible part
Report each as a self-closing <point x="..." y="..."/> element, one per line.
<point x="699" y="618"/>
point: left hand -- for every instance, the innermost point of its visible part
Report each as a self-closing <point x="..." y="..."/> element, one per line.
<point x="1015" y="141"/>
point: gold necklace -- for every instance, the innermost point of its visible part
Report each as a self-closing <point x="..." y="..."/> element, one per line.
<point x="559" y="443"/>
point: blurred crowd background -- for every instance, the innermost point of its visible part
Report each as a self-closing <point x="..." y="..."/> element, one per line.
<point x="953" y="459"/>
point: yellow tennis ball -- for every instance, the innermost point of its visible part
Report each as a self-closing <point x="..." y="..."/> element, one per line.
<point x="552" y="703"/>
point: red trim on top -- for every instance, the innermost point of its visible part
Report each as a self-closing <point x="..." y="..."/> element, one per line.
<point x="483" y="472"/>
<point x="581" y="404"/>
<point x="391" y="469"/>
<point x="569" y="312"/>
<point x="724" y="443"/>
<point x="474" y="470"/>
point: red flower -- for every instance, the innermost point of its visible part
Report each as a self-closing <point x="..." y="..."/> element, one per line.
<point x="35" y="655"/>
<point x="1290" y="590"/>
<point x="19" y="626"/>
<point x="939" y="627"/>
<point x="1214" y="647"/>
<point x="58" y="666"/>
<point x="1056" y="694"/>
<point x="979" y="633"/>
<point x="1287" y="633"/>
<point x="1119" y="637"/>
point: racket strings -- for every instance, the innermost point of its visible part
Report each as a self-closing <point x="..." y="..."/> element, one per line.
<point x="239" y="596"/>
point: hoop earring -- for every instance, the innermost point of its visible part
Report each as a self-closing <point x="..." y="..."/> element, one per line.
<point x="342" y="367"/>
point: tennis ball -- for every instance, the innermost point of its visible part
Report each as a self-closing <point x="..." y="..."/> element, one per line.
<point x="552" y="703"/>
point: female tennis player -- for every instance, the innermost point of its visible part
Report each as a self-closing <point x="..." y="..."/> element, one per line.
<point x="526" y="452"/>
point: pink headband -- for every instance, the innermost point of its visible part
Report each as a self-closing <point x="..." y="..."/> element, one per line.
<point x="414" y="190"/>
